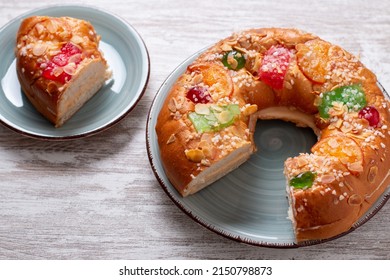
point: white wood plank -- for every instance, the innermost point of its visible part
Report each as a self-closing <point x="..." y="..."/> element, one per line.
<point x="86" y="199"/>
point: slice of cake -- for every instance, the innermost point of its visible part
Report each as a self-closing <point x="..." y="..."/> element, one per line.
<point x="59" y="65"/>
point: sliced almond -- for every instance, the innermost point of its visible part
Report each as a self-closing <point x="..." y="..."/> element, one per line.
<point x="75" y="58"/>
<point x="203" y="144"/>
<point x="65" y="34"/>
<point x="77" y="39"/>
<point x="327" y="179"/>
<point x="52" y="26"/>
<point x="171" y="139"/>
<point x="232" y="61"/>
<point x="52" y="88"/>
<point x="70" y="69"/>
<point x="242" y="50"/>
<point x="172" y="106"/>
<point x="338" y="123"/>
<point x="202" y="109"/>
<point x="226" y="47"/>
<point x="216" y="108"/>
<point x="373" y="171"/>
<point x="347" y="127"/>
<point x="57" y="71"/>
<point x="39" y="49"/>
<point x="257" y="63"/>
<point x="224" y="117"/>
<point x="317" y="101"/>
<point x="333" y="143"/>
<point x="197" y="79"/>
<point x="355" y="200"/>
<point x="287" y="85"/>
<point x="39" y="28"/>
<point x="355" y="167"/>
<point x="302" y="162"/>
<point x="179" y="101"/>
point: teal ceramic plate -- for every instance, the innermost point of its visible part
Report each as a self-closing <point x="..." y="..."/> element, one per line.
<point x="126" y="55"/>
<point x="248" y="205"/>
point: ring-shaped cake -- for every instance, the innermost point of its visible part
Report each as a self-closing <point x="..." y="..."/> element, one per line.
<point x="205" y="127"/>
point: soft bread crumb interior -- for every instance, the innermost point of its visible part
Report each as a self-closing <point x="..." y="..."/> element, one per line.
<point x="289" y="114"/>
<point x="219" y="169"/>
<point x="291" y="205"/>
<point x="82" y="87"/>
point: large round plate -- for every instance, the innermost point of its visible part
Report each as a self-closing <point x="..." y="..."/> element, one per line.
<point x="126" y="55"/>
<point x="249" y="204"/>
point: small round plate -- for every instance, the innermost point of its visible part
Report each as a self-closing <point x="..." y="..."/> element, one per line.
<point x="249" y="204"/>
<point x="126" y="55"/>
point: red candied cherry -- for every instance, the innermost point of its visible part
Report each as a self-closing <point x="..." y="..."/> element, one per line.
<point x="70" y="49"/>
<point x="53" y="70"/>
<point x="50" y="73"/>
<point x="371" y="115"/>
<point x="199" y="94"/>
<point x="274" y="66"/>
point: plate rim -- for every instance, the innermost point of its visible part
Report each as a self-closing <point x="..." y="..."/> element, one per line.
<point x="108" y="124"/>
<point x="370" y="213"/>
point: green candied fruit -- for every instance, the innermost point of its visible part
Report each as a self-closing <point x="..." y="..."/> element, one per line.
<point x="215" y="118"/>
<point x="233" y="60"/>
<point x="303" y="180"/>
<point x="353" y="96"/>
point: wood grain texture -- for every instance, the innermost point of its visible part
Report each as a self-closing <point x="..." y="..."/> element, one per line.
<point x="97" y="198"/>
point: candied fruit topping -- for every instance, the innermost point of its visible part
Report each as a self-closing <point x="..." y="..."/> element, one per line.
<point x="344" y="148"/>
<point x="312" y="59"/>
<point x="55" y="68"/>
<point x="215" y="77"/>
<point x="211" y="117"/>
<point x="352" y="96"/>
<point x="274" y="66"/>
<point x="371" y="114"/>
<point x="303" y="180"/>
<point x="199" y="94"/>
<point x="233" y="60"/>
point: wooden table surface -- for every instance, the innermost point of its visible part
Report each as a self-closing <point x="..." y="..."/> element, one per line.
<point x="97" y="197"/>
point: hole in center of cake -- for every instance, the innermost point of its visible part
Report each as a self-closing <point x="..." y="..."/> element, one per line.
<point x="276" y="140"/>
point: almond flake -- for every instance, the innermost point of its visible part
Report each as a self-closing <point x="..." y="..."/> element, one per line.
<point x="57" y="71"/>
<point x="224" y="117"/>
<point x="75" y="58"/>
<point x="356" y="167"/>
<point x="171" y="139"/>
<point x="333" y="143"/>
<point x="202" y="109"/>
<point x="327" y="179"/>
<point x="70" y="69"/>
<point x="52" y="26"/>
<point x="77" y="39"/>
<point x="39" y="49"/>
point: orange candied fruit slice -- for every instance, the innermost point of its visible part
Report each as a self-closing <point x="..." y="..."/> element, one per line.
<point x="215" y="77"/>
<point x="312" y="59"/>
<point x="344" y="148"/>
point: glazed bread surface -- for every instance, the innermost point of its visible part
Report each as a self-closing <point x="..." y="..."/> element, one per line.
<point x="59" y="65"/>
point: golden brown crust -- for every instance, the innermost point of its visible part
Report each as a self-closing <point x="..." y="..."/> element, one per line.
<point x="39" y="39"/>
<point x="348" y="179"/>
